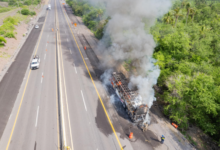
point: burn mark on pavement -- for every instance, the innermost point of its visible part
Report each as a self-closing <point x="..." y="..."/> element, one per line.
<point x="102" y="121"/>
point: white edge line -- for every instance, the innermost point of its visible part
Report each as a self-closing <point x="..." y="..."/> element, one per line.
<point x="75" y="68"/>
<point x="10" y="117"/>
<point x="70" y="51"/>
<point x="37" y="116"/>
<point x="45" y="56"/>
<point x="83" y="100"/>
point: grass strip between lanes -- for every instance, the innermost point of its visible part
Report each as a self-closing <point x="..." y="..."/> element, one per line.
<point x="25" y="88"/>
<point x="113" y="129"/>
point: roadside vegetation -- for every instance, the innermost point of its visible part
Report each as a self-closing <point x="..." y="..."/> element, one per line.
<point x="26" y="11"/>
<point x="9" y="23"/>
<point x="92" y="16"/>
<point x="5" y="9"/>
<point x="188" y="53"/>
<point x="7" y="29"/>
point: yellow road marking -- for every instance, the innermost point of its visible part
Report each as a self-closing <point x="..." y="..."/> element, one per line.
<point x="113" y="129"/>
<point x="24" y="90"/>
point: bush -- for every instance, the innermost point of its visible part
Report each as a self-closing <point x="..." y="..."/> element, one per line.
<point x="24" y="6"/>
<point x="2" y="32"/>
<point x="4" y="9"/>
<point x="10" y="35"/>
<point x="12" y="2"/>
<point x="32" y="13"/>
<point x="92" y="25"/>
<point x="2" y="40"/>
<point x="11" y="20"/>
<point x="25" y="11"/>
<point x="27" y="3"/>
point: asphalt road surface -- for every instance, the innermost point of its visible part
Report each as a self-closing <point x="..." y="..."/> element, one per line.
<point x="87" y="126"/>
<point x="29" y="98"/>
<point x="36" y="124"/>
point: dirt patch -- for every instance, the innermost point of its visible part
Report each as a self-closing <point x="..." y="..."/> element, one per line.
<point x="4" y="4"/>
<point x="202" y="140"/>
<point x="45" y="2"/>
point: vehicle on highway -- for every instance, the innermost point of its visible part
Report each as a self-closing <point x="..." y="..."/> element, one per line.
<point x="35" y="64"/>
<point x="130" y="99"/>
<point x="36" y="26"/>
<point x="49" y="7"/>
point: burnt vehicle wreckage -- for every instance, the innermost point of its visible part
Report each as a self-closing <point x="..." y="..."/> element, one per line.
<point x="130" y="99"/>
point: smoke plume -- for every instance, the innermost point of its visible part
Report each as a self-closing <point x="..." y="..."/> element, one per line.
<point x="127" y="38"/>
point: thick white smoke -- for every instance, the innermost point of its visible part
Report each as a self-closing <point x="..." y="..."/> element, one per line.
<point x="128" y="31"/>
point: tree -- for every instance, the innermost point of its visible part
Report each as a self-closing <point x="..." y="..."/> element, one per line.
<point x="177" y="14"/>
<point x="99" y="13"/>
<point x="189" y="59"/>
<point x="183" y="4"/>
<point x="168" y="18"/>
<point x="203" y="30"/>
<point x="188" y="8"/>
<point x="192" y="13"/>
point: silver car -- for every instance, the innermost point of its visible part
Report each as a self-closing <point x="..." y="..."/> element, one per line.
<point x="36" y="26"/>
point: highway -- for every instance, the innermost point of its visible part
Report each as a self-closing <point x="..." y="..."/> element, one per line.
<point x="83" y="108"/>
<point x="33" y="122"/>
<point x="36" y="124"/>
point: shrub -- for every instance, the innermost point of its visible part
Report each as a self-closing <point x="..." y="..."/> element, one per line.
<point x="32" y="13"/>
<point x="24" y="6"/>
<point x="2" y="32"/>
<point x="10" y="35"/>
<point x="27" y="3"/>
<point x="12" y="2"/>
<point x="4" y="9"/>
<point x="25" y="11"/>
<point x="2" y="40"/>
<point x="7" y="26"/>
<point x="11" y="20"/>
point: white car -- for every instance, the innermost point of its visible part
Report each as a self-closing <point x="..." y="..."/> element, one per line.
<point x="36" y="26"/>
<point x="35" y="64"/>
<point x="49" y="7"/>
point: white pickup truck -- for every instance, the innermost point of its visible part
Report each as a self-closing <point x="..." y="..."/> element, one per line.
<point x="49" y="7"/>
<point x="35" y="64"/>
